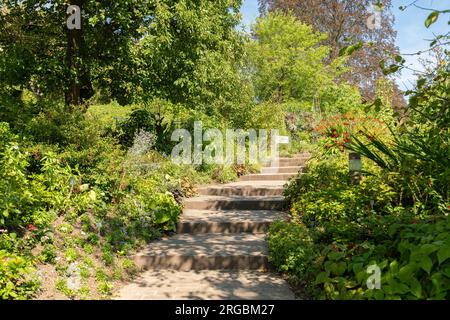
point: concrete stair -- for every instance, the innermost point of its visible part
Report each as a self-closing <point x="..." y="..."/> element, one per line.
<point x="268" y="177"/>
<point x="292" y="162"/>
<point x="235" y="203"/>
<point x="294" y="170"/>
<point x="185" y="252"/>
<point x="207" y="285"/>
<point x="227" y="221"/>
<point x="221" y="232"/>
<point x="244" y="190"/>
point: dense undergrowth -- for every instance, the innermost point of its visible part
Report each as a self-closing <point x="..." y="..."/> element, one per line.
<point x="76" y="203"/>
<point x="394" y="224"/>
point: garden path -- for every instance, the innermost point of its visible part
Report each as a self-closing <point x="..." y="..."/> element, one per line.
<point x="219" y="251"/>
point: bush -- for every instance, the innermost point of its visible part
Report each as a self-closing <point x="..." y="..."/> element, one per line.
<point x="61" y="126"/>
<point x="414" y="264"/>
<point x="418" y="148"/>
<point x="27" y="196"/>
<point x="352" y="227"/>
<point x="151" y="119"/>
<point x="16" y="281"/>
<point x="291" y="248"/>
<point x="325" y="193"/>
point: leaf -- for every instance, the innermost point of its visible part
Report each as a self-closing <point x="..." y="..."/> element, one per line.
<point x="348" y="50"/>
<point x="438" y="282"/>
<point x="399" y="287"/>
<point x="321" y="278"/>
<point x="335" y="255"/>
<point x="426" y="263"/>
<point x="393" y="68"/>
<point x="378" y="104"/>
<point x="393" y="266"/>
<point x="432" y="18"/>
<point x="399" y="59"/>
<point x="421" y="82"/>
<point x="428" y="248"/>
<point x="407" y="272"/>
<point x="416" y="287"/>
<point x="443" y="253"/>
<point x="358" y="267"/>
<point x="446" y="272"/>
<point x="341" y="268"/>
<point x="361" y="276"/>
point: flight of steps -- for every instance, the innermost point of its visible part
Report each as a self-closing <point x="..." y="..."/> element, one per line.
<point x="222" y="230"/>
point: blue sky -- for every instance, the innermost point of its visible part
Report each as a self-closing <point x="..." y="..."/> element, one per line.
<point x="409" y="24"/>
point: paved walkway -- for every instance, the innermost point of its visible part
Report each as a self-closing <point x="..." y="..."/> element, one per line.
<point x="219" y="251"/>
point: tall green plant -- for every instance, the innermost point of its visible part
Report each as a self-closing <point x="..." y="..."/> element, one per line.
<point x="419" y="146"/>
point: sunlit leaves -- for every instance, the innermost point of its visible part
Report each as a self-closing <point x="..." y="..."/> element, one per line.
<point x="349" y="50"/>
<point x="432" y="18"/>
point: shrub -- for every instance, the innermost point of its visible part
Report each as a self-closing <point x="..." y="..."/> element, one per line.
<point x="151" y="119"/>
<point x="27" y="197"/>
<point x="16" y="281"/>
<point x="291" y="248"/>
<point x="59" y="125"/>
<point x="352" y="227"/>
<point x="418" y="148"/>
<point x="414" y="264"/>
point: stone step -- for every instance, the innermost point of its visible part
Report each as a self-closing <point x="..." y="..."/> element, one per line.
<point x="206" y="285"/>
<point x="268" y="177"/>
<point x="212" y="251"/>
<point x="234" y="203"/>
<point x="245" y="190"/>
<point x="292" y="162"/>
<point x="294" y="170"/>
<point x="227" y="221"/>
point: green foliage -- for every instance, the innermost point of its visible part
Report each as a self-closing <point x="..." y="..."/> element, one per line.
<point x="16" y="280"/>
<point x="348" y="228"/>
<point x="14" y="183"/>
<point x="397" y="218"/>
<point x="325" y="194"/>
<point x="204" y="75"/>
<point x="420" y="144"/>
<point x="108" y="115"/>
<point x="151" y="119"/>
<point x="267" y="115"/>
<point x="105" y="54"/>
<point x="352" y="227"/>
<point x="413" y="262"/>
<point x="48" y="254"/>
<point x="291" y="247"/>
<point x="224" y="174"/>
<point x="148" y="208"/>
<point x="288" y="59"/>
<point x="27" y="196"/>
<point x="341" y="98"/>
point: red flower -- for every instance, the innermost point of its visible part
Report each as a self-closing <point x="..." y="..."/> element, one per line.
<point x="32" y="228"/>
